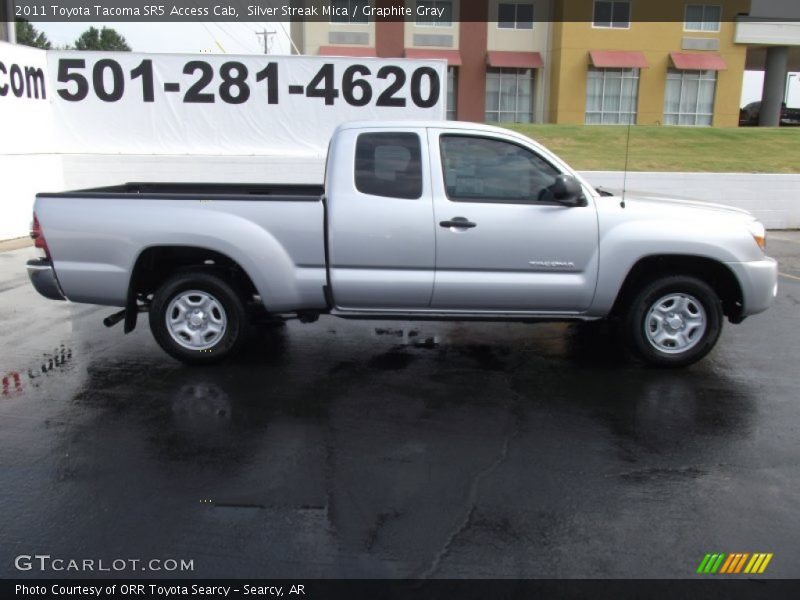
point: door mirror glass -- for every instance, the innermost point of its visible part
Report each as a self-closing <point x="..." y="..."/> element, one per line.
<point x="567" y="191"/>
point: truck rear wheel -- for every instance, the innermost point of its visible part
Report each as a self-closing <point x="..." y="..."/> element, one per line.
<point x="198" y="318"/>
<point x="674" y="321"/>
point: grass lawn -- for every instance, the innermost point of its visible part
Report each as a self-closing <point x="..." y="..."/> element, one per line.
<point x="653" y="148"/>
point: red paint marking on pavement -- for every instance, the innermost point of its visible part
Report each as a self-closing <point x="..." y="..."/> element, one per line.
<point x="14" y="376"/>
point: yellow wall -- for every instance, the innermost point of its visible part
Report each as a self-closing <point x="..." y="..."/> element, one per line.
<point x="572" y="41"/>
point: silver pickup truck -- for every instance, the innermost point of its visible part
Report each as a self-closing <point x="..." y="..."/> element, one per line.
<point x="438" y="221"/>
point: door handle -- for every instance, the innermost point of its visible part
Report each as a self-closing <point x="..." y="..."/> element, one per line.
<point x="458" y="223"/>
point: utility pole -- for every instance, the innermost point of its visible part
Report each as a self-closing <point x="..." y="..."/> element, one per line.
<point x="267" y="35"/>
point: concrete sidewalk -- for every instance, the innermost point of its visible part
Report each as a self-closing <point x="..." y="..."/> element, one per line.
<point x="15" y="244"/>
<point x="786" y="235"/>
<point x="785" y="247"/>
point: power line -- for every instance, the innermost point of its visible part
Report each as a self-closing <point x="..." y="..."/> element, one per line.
<point x="225" y="31"/>
<point x="233" y="37"/>
<point x="213" y="37"/>
<point x="289" y="37"/>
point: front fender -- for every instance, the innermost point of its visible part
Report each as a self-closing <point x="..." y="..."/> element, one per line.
<point x="624" y="244"/>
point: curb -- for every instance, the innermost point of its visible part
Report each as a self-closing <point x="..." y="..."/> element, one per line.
<point x="15" y="244"/>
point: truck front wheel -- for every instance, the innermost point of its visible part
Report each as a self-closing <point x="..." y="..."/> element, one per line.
<point x="674" y="321"/>
<point x="198" y="318"/>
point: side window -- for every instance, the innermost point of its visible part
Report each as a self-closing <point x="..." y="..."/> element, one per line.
<point x="612" y="13"/>
<point x="389" y="164"/>
<point x="485" y="170"/>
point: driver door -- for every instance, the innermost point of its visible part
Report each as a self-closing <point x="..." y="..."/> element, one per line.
<point x="503" y="244"/>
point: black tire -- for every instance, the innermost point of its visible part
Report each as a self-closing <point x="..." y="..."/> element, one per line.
<point x="233" y="315"/>
<point x="636" y="321"/>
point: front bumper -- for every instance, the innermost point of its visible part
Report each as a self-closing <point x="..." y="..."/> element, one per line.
<point x="43" y="278"/>
<point x="759" y="281"/>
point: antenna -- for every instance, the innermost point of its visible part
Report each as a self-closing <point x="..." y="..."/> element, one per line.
<point x="627" y="154"/>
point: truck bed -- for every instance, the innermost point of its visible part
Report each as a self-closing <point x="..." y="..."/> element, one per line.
<point x="275" y="233"/>
<point x="198" y="191"/>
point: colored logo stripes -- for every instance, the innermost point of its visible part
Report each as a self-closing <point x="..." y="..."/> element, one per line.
<point x="738" y="562"/>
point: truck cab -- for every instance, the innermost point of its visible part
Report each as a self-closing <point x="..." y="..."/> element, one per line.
<point x="460" y="218"/>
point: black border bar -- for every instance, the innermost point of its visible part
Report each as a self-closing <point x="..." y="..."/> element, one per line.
<point x="705" y="587"/>
<point x="260" y="11"/>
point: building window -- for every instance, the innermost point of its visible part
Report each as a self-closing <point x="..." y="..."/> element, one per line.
<point x="452" y="92"/>
<point x="509" y="95"/>
<point x="349" y="11"/>
<point x="389" y="165"/>
<point x="515" y="15"/>
<point x="702" y="17"/>
<point x="689" y="98"/>
<point x="612" y="13"/>
<point x="428" y="9"/>
<point x="611" y="96"/>
<point x="480" y="169"/>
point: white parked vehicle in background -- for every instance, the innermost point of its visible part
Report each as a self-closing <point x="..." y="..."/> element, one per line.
<point x="415" y="221"/>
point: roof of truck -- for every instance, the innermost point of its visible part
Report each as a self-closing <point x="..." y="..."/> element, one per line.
<point x="420" y="124"/>
<point x="450" y="125"/>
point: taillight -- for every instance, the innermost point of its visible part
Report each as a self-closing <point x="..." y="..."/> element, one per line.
<point x="38" y="236"/>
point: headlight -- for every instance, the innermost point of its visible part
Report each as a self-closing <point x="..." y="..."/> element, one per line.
<point x="759" y="233"/>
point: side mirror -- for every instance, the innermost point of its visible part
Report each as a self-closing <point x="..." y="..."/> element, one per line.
<point x="567" y="191"/>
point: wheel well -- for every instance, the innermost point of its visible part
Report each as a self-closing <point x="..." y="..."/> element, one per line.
<point x="714" y="273"/>
<point x="156" y="264"/>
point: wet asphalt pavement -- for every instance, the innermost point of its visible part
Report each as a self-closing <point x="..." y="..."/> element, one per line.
<point x="363" y="449"/>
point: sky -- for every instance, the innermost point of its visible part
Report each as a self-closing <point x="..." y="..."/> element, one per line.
<point x="241" y="38"/>
<point x="231" y="38"/>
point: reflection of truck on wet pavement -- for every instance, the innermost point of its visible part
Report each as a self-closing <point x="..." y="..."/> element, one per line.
<point x="440" y="221"/>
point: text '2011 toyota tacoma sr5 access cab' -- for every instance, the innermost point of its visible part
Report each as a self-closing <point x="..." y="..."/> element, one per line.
<point x="437" y="221"/>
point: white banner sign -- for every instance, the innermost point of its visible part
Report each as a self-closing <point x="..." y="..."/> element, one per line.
<point x="27" y="134"/>
<point x="26" y="118"/>
<point x="231" y="105"/>
<point x="151" y="104"/>
<point x="83" y="119"/>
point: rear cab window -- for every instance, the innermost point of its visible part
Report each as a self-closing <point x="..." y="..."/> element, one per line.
<point x="389" y="165"/>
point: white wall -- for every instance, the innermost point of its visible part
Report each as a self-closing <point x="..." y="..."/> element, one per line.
<point x="31" y="174"/>
<point x="773" y="199"/>
<point x="82" y="171"/>
<point x="27" y="162"/>
<point x="49" y="143"/>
